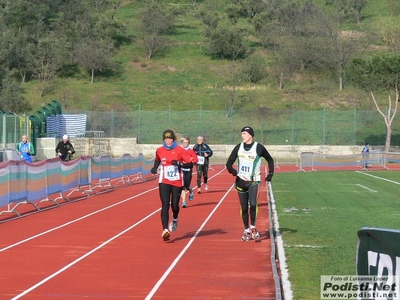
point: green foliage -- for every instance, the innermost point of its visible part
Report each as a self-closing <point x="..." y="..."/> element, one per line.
<point x="182" y="73"/>
<point x="377" y="73"/>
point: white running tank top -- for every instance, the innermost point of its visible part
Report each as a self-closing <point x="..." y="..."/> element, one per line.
<point x="249" y="165"/>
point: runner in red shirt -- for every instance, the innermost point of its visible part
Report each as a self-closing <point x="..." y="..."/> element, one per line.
<point x="170" y="157"/>
<point x="187" y="169"/>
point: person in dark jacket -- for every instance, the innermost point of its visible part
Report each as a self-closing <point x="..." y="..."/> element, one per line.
<point x="65" y="149"/>
<point x="203" y="152"/>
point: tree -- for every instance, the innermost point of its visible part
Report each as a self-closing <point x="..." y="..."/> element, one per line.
<point x="234" y="101"/>
<point x="253" y="69"/>
<point x="49" y="57"/>
<point x="226" y="41"/>
<point x="338" y="47"/>
<point x="95" y="55"/>
<point x="21" y="53"/>
<point x="11" y="98"/>
<point x="381" y="73"/>
<point x="349" y="9"/>
<point x="152" y="24"/>
<point x="389" y="29"/>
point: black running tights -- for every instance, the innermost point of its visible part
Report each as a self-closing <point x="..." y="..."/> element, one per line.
<point x="169" y="193"/>
<point x="202" y="170"/>
<point x="250" y="198"/>
<point x="187" y="179"/>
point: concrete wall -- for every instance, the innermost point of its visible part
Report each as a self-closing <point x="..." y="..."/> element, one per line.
<point x="46" y="148"/>
<point x="117" y="147"/>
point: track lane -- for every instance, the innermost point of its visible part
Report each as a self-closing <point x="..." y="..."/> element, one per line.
<point x="130" y="265"/>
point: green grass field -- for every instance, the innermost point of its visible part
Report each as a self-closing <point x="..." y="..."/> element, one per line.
<point x="319" y="216"/>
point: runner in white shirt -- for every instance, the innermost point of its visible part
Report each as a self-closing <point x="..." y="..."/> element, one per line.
<point x="248" y="176"/>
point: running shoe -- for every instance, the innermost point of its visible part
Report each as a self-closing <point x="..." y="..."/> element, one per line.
<point x="206" y="186"/>
<point x="173" y="226"/>
<point x="255" y="234"/>
<point x="246" y="235"/>
<point x="165" y="235"/>
<point x="184" y="204"/>
<point x="191" y="195"/>
<point x="199" y="191"/>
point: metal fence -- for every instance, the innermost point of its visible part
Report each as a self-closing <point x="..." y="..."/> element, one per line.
<point x="12" y="127"/>
<point x="273" y="127"/>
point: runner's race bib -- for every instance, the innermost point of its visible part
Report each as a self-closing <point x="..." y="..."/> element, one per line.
<point x="171" y="173"/>
<point x="246" y="168"/>
<point x="201" y="160"/>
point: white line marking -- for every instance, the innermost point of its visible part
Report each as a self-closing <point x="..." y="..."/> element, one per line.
<point x="286" y="285"/>
<point x="113" y="238"/>
<point x="174" y="263"/>
<point x="364" y="187"/>
<point x="388" y="180"/>
<point x="83" y="256"/>
<point x="74" y="221"/>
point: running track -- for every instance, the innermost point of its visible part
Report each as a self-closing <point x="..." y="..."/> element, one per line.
<point x="109" y="246"/>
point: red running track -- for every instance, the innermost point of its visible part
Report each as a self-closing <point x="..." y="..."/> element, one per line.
<point x="109" y="246"/>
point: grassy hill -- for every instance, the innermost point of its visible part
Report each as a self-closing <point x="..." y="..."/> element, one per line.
<point x="184" y="77"/>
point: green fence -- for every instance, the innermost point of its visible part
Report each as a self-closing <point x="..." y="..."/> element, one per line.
<point x="273" y="127"/>
<point x="13" y="126"/>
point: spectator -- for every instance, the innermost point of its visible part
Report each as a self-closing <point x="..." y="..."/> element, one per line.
<point x="65" y="149"/>
<point x="25" y="149"/>
<point x="365" y="152"/>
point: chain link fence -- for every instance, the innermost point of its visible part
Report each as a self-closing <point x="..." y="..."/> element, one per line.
<point x="273" y="127"/>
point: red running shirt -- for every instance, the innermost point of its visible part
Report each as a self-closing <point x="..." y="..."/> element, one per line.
<point x="170" y="174"/>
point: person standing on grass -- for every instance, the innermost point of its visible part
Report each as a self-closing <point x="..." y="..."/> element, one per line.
<point x="248" y="176"/>
<point x="25" y="149"/>
<point x="365" y="152"/>
<point x="170" y="157"/>
<point x="203" y="152"/>
<point x="187" y="173"/>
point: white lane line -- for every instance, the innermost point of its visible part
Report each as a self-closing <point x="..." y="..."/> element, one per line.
<point x="388" y="180"/>
<point x="364" y="187"/>
<point x="74" y="221"/>
<point x="83" y="256"/>
<point x="110" y="240"/>
<point x="175" y="262"/>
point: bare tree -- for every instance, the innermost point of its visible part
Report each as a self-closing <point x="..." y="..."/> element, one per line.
<point x="95" y="55"/>
<point x="152" y="25"/>
<point x="48" y="60"/>
<point x="235" y="100"/>
<point x="375" y="75"/>
<point x="339" y="47"/>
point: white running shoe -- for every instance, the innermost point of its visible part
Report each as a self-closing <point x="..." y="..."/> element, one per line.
<point x="173" y="226"/>
<point x="206" y="186"/>
<point x="246" y="235"/>
<point x="255" y="234"/>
